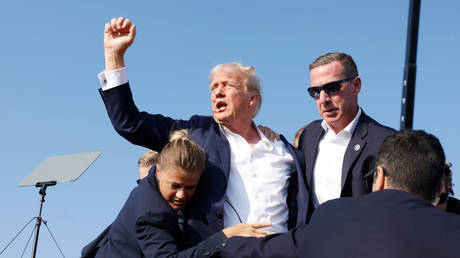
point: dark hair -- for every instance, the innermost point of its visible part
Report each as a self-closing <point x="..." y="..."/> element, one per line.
<point x="349" y="65"/>
<point x="182" y="152"/>
<point x="148" y="159"/>
<point x="448" y="179"/>
<point x="414" y="162"/>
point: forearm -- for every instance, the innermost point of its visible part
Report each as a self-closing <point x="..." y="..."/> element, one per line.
<point x="113" y="59"/>
<point x="205" y="248"/>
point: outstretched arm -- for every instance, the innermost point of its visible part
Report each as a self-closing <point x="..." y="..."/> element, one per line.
<point x="119" y="34"/>
<point x="156" y="240"/>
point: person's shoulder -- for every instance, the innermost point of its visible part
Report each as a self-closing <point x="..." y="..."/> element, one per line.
<point x="342" y="203"/>
<point x="202" y="118"/>
<point x="202" y="121"/>
<point x="449" y="220"/>
<point x="146" y="198"/>
<point x="375" y="127"/>
<point x="313" y="124"/>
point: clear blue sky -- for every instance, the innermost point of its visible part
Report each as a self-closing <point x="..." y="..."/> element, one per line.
<point x="52" y="51"/>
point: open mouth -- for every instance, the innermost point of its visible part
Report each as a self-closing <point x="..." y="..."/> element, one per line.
<point x="221" y="106"/>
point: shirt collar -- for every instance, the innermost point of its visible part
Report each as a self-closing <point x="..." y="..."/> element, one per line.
<point x="228" y="133"/>
<point x="350" y="128"/>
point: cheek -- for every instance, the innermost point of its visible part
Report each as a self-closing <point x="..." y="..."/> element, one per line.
<point x="318" y="104"/>
<point x="167" y="192"/>
<point x="337" y="101"/>
<point x="191" y="192"/>
<point x="172" y="194"/>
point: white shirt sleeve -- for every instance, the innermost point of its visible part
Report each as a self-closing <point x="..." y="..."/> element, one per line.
<point x="113" y="78"/>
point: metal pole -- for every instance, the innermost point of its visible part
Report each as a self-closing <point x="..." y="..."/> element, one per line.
<point x="408" y="94"/>
<point x="38" y="221"/>
<point x="43" y="186"/>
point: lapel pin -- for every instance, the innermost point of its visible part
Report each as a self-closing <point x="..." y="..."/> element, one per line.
<point x="357" y="147"/>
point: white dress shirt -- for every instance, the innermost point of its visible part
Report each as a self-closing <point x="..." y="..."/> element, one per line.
<point x="327" y="173"/>
<point x="258" y="179"/>
<point x="258" y="182"/>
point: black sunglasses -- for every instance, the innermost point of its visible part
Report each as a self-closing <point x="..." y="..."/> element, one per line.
<point x="329" y="88"/>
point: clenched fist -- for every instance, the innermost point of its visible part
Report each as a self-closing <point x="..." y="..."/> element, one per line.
<point x="119" y="34"/>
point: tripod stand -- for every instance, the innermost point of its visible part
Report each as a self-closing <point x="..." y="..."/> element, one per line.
<point x="38" y="221"/>
<point x="48" y="173"/>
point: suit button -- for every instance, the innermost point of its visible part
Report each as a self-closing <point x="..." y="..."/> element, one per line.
<point x="219" y="215"/>
<point x="207" y="253"/>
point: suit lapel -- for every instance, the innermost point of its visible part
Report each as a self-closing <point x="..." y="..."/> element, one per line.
<point x="357" y="144"/>
<point x="223" y="149"/>
<point x="312" y="139"/>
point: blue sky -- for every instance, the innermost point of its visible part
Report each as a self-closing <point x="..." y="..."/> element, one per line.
<point x="53" y="50"/>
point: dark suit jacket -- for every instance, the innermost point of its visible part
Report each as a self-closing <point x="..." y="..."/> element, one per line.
<point x="148" y="227"/>
<point x="386" y="223"/>
<point x="206" y="208"/>
<point x="359" y="155"/>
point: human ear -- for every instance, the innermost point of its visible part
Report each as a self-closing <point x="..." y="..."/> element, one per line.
<point x="356" y="85"/>
<point x="157" y="170"/>
<point x="379" y="180"/>
<point x="442" y="186"/>
<point x="253" y="99"/>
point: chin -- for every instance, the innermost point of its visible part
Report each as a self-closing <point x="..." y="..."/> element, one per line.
<point x="220" y="119"/>
<point x="330" y="121"/>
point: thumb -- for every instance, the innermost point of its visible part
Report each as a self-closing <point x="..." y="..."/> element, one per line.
<point x="132" y="31"/>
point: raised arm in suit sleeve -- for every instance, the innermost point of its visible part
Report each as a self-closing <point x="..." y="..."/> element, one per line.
<point x="154" y="232"/>
<point x="140" y="128"/>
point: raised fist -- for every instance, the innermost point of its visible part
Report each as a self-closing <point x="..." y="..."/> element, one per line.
<point x="119" y="34"/>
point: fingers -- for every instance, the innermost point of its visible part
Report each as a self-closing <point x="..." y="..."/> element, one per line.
<point x="126" y="24"/>
<point x="261" y="225"/>
<point x="107" y="28"/>
<point x="247" y="230"/>
<point x="269" y="133"/>
<point x="113" y="23"/>
<point x="261" y="233"/>
<point x="257" y="233"/>
<point x="120" y="24"/>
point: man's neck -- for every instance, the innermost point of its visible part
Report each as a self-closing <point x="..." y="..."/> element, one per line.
<point x="338" y="128"/>
<point x="247" y="131"/>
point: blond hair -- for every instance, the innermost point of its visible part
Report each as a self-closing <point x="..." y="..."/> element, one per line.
<point x="148" y="159"/>
<point x="182" y="152"/>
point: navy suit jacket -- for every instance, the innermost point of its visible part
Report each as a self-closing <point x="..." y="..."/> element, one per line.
<point x="359" y="155"/>
<point x="205" y="211"/>
<point x="386" y="223"/>
<point x="147" y="226"/>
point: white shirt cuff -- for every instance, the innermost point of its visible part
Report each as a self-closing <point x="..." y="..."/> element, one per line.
<point x="113" y="78"/>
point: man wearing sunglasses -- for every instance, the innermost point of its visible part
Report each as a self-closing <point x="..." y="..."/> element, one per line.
<point x="339" y="149"/>
<point x="398" y="219"/>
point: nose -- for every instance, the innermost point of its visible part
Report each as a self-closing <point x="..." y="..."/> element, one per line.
<point x="219" y="90"/>
<point x="180" y="194"/>
<point x="323" y="97"/>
